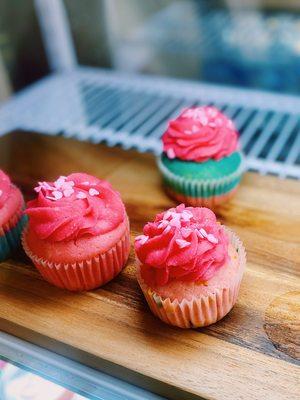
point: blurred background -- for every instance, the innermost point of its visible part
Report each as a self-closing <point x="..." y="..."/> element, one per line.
<point x="245" y="43"/>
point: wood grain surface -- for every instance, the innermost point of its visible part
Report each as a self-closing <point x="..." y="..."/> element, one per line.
<point x="253" y="353"/>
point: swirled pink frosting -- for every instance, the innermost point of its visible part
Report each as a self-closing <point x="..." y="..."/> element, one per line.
<point x="5" y="187"/>
<point x="183" y="243"/>
<point x="200" y="134"/>
<point x="74" y="206"/>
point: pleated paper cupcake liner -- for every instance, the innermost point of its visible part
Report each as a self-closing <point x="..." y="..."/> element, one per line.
<point x="10" y="234"/>
<point x="84" y="275"/>
<point x="197" y="192"/>
<point x="200" y="311"/>
<point x="210" y="202"/>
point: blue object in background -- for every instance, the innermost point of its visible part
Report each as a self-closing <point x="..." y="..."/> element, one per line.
<point x="251" y="49"/>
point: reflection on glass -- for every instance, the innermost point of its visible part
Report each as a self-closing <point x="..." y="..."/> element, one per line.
<point x="255" y="45"/>
<point x="18" y="384"/>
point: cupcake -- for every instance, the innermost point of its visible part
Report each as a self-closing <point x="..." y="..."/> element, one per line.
<point x="12" y="219"/>
<point x="78" y="232"/>
<point x="201" y="164"/>
<point x="189" y="266"/>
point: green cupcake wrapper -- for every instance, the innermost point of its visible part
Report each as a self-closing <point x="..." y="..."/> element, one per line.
<point x="201" y="189"/>
<point x="10" y="239"/>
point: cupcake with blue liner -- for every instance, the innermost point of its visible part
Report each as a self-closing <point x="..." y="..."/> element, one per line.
<point x="12" y="220"/>
<point x="201" y="162"/>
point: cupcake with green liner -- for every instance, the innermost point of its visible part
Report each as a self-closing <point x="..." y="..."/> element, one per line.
<point x="12" y="220"/>
<point x="201" y="162"/>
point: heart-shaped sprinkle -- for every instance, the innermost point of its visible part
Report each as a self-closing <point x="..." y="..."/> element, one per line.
<point x="175" y="222"/>
<point x="171" y="153"/>
<point x="199" y="234"/>
<point x="203" y="120"/>
<point x="56" y="195"/>
<point x="167" y="229"/>
<point x="59" y="182"/>
<point x="68" y="192"/>
<point x="167" y="215"/>
<point x="93" y="192"/>
<point x="203" y="232"/>
<point x="81" y="195"/>
<point x="142" y="239"/>
<point x="212" y="239"/>
<point x="163" y="224"/>
<point x="182" y="243"/>
<point x="185" y="232"/>
<point x="186" y="215"/>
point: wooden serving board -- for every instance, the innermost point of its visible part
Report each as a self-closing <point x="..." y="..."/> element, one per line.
<point x="253" y="353"/>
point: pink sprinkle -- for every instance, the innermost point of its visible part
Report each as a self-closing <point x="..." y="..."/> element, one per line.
<point x="168" y="228"/>
<point x="212" y="112"/>
<point x="203" y="120"/>
<point x="67" y="185"/>
<point x="163" y="224"/>
<point x="46" y="185"/>
<point x="212" y="239"/>
<point x="56" y="195"/>
<point x="1" y="193"/>
<point x="43" y="185"/>
<point x="171" y="153"/>
<point x="199" y="234"/>
<point x="192" y="112"/>
<point x="182" y="243"/>
<point x="142" y="239"/>
<point x="195" y="129"/>
<point x="175" y="221"/>
<point x="167" y="215"/>
<point x="203" y="232"/>
<point x="230" y="124"/>
<point x="186" y="215"/>
<point x="59" y="182"/>
<point x="68" y="192"/>
<point x="185" y="232"/>
<point x="81" y="195"/>
<point x="93" y="192"/>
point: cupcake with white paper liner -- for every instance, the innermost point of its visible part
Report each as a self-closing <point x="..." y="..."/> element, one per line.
<point x="78" y="232"/>
<point x="189" y="266"/>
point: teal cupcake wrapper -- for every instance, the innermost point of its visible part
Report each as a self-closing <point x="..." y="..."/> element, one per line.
<point x="10" y="237"/>
<point x="201" y="189"/>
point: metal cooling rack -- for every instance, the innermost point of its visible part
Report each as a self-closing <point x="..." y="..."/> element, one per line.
<point x="132" y="111"/>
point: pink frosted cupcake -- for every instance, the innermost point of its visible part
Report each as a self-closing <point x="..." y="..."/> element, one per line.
<point x="78" y="232"/>
<point x="201" y="163"/>
<point x="189" y="266"/>
<point x="12" y="220"/>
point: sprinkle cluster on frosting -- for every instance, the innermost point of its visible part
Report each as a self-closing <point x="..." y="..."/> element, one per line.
<point x="74" y="206"/>
<point x="5" y="187"/>
<point x="199" y="134"/>
<point x="64" y="188"/>
<point x="182" y="243"/>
